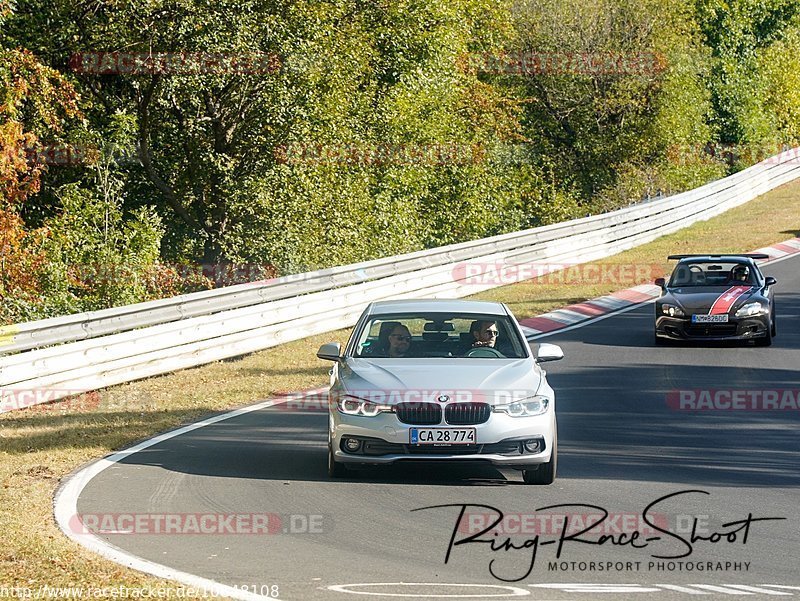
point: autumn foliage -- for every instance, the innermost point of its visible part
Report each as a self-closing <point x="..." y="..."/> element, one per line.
<point x="35" y="100"/>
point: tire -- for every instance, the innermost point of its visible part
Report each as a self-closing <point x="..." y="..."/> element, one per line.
<point x="545" y="473"/>
<point x="766" y="340"/>
<point x="774" y="324"/>
<point x="661" y="341"/>
<point x="335" y="468"/>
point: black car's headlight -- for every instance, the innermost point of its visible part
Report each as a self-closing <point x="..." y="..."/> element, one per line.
<point x="750" y="309"/>
<point x="535" y="405"/>
<point x="672" y="310"/>
<point x="350" y="405"/>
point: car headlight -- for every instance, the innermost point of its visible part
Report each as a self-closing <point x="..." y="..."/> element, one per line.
<point x="350" y="405"/>
<point x="672" y="310"/>
<point x="749" y="309"/>
<point x="535" y="405"/>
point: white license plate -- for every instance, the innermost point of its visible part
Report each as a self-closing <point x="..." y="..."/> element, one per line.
<point x="442" y="436"/>
<point x="710" y="318"/>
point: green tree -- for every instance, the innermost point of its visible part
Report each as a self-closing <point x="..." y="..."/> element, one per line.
<point x="741" y="34"/>
<point x="618" y="85"/>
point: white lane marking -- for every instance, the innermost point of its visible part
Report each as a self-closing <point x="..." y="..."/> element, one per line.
<point x="721" y="589"/>
<point x="66" y="506"/>
<point x="755" y="589"/>
<point x="682" y="589"/>
<point x="513" y="590"/>
<point x="588" y="587"/>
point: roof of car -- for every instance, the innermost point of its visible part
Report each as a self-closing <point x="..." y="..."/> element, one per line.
<point x="438" y="306"/>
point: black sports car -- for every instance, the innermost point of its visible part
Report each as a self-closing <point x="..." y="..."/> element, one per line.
<point x="716" y="297"/>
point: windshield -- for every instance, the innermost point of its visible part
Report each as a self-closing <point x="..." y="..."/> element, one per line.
<point x="708" y="273"/>
<point x="400" y="336"/>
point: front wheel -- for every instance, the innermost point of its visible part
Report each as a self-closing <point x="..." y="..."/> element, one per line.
<point x="335" y="469"/>
<point x="766" y="340"/>
<point x="546" y="472"/>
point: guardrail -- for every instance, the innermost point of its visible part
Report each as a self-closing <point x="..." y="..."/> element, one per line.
<point x="101" y="348"/>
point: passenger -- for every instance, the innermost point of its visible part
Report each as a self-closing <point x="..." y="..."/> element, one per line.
<point x="394" y="340"/>
<point x="399" y="342"/>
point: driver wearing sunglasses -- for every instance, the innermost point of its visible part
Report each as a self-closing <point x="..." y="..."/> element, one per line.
<point x="484" y="333"/>
<point x="399" y="342"/>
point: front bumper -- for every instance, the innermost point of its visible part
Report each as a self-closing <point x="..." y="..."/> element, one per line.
<point x="385" y="440"/>
<point x="682" y="328"/>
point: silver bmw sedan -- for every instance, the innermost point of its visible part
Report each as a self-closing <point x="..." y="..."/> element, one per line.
<point x="441" y="380"/>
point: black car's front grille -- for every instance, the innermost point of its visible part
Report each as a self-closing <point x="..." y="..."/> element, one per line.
<point x="711" y="331"/>
<point x="418" y="414"/>
<point x="467" y="414"/>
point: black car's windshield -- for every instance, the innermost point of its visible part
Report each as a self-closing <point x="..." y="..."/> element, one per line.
<point x="712" y="273"/>
<point x="439" y="335"/>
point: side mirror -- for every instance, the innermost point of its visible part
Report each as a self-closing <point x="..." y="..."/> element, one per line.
<point x="330" y="352"/>
<point x="549" y="352"/>
<point x="661" y="282"/>
<point x="770" y="281"/>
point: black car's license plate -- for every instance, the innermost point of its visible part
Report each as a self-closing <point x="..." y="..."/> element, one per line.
<point x="710" y="318"/>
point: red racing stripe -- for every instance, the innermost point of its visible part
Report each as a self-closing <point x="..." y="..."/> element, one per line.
<point x="726" y="300"/>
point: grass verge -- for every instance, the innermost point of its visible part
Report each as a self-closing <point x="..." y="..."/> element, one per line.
<point x="41" y="445"/>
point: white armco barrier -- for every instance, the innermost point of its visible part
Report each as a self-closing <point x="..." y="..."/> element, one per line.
<point x="45" y="360"/>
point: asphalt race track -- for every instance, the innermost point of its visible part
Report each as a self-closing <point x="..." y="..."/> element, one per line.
<point x="624" y="443"/>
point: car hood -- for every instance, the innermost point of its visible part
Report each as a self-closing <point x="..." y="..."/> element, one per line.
<point x="699" y="299"/>
<point x="467" y="379"/>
